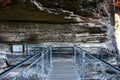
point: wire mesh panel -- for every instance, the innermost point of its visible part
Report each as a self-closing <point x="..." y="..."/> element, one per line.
<point x="34" y="68"/>
<point x="96" y="70"/>
<point x="37" y="70"/>
<point x="92" y="68"/>
<point x="13" y="71"/>
<point x="32" y="72"/>
<point x="101" y="53"/>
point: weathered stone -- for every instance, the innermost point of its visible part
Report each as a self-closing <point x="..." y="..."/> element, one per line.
<point x="48" y="32"/>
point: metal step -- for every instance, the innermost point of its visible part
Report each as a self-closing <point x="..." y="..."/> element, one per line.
<point x="63" y="70"/>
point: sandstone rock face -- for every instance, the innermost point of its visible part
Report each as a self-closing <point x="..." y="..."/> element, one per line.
<point x="42" y="21"/>
<point x="54" y="10"/>
<point x="86" y="32"/>
<point x="117" y="25"/>
<point x="3" y="59"/>
<point x="117" y="30"/>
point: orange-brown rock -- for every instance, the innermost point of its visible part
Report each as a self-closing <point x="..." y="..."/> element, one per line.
<point x="5" y="2"/>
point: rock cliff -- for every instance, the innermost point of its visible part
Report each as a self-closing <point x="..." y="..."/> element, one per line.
<point x="41" y="21"/>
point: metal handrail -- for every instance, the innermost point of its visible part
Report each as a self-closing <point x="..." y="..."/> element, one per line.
<point x="87" y="59"/>
<point x="102" y="61"/>
<point x="27" y="67"/>
<point x="76" y="50"/>
<point x="16" y="66"/>
<point x="42" y="59"/>
<point x="20" y="64"/>
<point x="30" y="65"/>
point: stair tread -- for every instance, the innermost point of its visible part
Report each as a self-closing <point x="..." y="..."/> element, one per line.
<point x="63" y="70"/>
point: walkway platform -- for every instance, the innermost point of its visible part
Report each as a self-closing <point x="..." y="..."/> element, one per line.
<point x="63" y="70"/>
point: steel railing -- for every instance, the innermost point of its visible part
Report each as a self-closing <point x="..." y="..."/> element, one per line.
<point x="101" y="53"/>
<point x="89" y="66"/>
<point x="33" y="68"/>
<point x="92" y="68"/>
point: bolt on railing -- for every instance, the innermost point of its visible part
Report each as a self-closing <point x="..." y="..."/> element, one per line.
<point x="91" y="67"/>
<point x="33" y="68"/>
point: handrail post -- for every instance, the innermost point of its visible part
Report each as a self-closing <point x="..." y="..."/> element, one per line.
<point x="74" y="54"/>
<point x="50" y="56"/>
<point x="83" y="65"/>
<point x="42" y="65"/>
<point x="47" y="59"/>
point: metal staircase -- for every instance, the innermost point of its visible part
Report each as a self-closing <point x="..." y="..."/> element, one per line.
<point x="63" y="70"/>
<point x="62" y="63"/>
